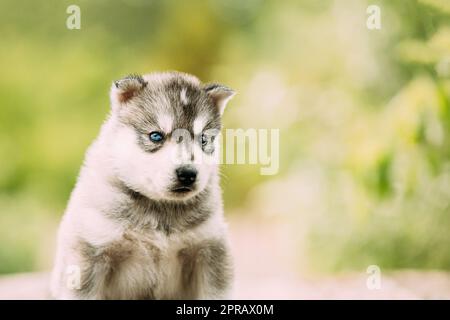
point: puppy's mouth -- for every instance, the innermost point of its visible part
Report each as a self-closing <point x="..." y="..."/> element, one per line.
<point x="182" y="190"/>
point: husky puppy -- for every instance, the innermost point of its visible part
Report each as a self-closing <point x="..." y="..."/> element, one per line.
<point x="145" y="219"/>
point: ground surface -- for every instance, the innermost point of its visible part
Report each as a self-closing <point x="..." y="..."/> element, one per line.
<point x="400" y="285"/>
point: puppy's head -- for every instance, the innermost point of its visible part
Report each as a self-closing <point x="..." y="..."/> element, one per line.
<point x="164" y="142"/>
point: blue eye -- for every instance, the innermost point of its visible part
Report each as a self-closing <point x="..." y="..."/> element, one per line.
<point x="156" y="136"/>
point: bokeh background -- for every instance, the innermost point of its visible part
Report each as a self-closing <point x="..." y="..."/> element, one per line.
<point x="364" y="119"/>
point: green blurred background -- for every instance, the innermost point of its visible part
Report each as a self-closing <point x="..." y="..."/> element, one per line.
<point x="364" y="116"/>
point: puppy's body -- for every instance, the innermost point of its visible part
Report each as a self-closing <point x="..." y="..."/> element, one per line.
<point x="134" y="227"/>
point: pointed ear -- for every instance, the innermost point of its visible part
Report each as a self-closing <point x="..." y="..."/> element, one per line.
<point x="125" y="89"/>
<point x="219" y="94"/>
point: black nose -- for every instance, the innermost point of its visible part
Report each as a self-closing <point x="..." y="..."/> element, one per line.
<point x="186" y="175"/>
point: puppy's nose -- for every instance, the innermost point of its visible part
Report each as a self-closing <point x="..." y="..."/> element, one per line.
<point x="186" y="175"/>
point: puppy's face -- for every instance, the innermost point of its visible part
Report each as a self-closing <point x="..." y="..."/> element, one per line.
<point x="165" y="144"/>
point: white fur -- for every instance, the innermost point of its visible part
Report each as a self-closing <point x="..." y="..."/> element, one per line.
<point x="165" y="121"/>
<point x="199" y="124"/>
<point x="183" y="97"/>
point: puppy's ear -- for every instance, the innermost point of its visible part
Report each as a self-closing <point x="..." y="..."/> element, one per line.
<point x="125" y="89"/>
<point x="219" y="94"/>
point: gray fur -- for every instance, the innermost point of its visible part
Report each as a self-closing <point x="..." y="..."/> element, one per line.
<point x="206" y="264"/>
<point x="138" y="211"/>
